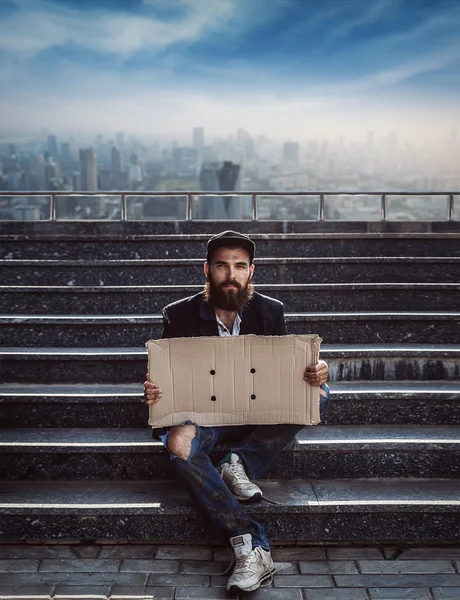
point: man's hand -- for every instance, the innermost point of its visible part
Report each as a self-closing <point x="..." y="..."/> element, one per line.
<point x="316" y="375"/>
<point x="152" y="393"/>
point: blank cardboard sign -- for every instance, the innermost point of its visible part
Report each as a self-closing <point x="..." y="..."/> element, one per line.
<point x="235" y="380"/>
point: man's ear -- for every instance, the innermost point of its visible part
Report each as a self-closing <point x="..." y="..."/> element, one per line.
<point x="251" y="271"/>
<point x="206" y="269"/>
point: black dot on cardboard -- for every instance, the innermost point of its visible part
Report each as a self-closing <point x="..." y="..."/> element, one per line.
<point x="253" y="396"/>
<point x="212" y="372"/>
<point x="213" y="398"/>
<point x="253" y="370"/>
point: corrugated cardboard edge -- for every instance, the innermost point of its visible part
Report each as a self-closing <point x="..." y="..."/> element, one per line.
<point x="197" y="357"/>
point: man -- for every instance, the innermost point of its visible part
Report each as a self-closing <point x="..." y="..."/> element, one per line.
<point x="229" y="306"/>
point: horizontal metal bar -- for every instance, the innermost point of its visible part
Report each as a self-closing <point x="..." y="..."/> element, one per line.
<point x="254" y="196"/>
<point x="223" y="194"/>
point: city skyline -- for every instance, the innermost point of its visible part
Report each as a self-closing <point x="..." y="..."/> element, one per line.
<point x="282" y="68"/>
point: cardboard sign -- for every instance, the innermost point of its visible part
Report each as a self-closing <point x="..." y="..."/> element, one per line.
<point x="236" y="380"/>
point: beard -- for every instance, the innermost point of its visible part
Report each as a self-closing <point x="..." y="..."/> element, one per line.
<point x="226" y="299"/>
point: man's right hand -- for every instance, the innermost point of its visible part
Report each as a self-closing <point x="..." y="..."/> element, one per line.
<point x="152" y="393"/>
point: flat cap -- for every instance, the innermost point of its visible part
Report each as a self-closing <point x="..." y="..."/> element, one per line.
<point x="230" y="238"/>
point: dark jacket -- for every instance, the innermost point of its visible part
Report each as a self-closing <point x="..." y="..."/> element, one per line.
<point x="194" y="317"/>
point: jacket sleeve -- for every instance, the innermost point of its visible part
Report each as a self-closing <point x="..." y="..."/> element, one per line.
<point x="280" y="324"/>
<point x="167" y="327"/>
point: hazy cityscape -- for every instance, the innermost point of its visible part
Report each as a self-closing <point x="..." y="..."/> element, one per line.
<point x="127" y="161"/>
<point x="239" y="162"/>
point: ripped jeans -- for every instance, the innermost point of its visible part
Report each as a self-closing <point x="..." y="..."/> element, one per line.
<point x="257" y="446"/>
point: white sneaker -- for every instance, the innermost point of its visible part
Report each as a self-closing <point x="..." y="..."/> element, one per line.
<point x="252" y="567"/>
<point x="237" y="481"/>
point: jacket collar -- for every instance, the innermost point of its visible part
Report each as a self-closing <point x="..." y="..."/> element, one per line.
<point x="250" y="319"/>
<point x="208" y="323"/>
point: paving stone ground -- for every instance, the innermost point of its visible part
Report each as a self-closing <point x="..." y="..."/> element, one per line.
<point x="128" y="571"/>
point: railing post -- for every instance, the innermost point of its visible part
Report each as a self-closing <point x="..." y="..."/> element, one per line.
<point x="321" y="208"/>
<point x="188" y="212"/>
<point x="255" y="216"/>
<point x="124" y="211"/>
<point x="53" y="207"/>
<point x="383" y="207"/>
<point x="450" y="208"/>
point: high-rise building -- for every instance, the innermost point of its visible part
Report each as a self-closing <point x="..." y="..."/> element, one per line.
<point x="224" y="178"/>
<point x="209" y="180"/>
<point x="228" y="176"/>
<point x="198" y="138"/>
<point x="135" y="172"/>
<point x="35" y="173"/>
<point x="14" y="178"/>
<point x="52" y="175"/>
<point x="88" y="169"/>
<point x="52" y="146"/>
<point x="117" y="168"/>
<point x="120" y="140"/>
<point x="66" y="157"/>
<point x="291" y="151"/>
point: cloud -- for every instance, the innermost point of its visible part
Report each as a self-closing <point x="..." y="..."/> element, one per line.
<point x="155" y="69"/>
<point x="43" y="25"/>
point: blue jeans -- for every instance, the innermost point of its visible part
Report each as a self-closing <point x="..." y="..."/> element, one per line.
<point x="257" y="446"/>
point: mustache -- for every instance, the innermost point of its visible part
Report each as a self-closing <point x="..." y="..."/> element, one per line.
<point x="217" y="296"/>
<point x="231" y="282"/>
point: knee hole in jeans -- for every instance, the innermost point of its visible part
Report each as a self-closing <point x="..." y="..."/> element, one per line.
<point x="180" y="440"/>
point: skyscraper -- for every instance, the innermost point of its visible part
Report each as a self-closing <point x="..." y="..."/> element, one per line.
<point x="52" y="146"/>
<point x="198" y="138"/>
<point x="66" y="157"/>
<point x="52" y="175"/>
<point x="116" y="168"/>
<point x="223" y="178"/>
<point x="120" y="140"/>
<point x="228" y="176"/>
<point x="88" y="169"/>
<point x="135" y="172"/>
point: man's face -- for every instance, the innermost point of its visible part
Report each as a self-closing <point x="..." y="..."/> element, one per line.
<point x="229" y="274"/>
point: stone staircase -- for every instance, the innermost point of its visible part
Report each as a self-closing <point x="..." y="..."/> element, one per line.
<point x="79" y="300"/>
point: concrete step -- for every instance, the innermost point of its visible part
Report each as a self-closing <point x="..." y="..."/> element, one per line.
<point x="204" y="229"/>
<point x="128" y="365"/>
<point x="134" y="330"/>
<point x="356" y="510"/>
<point x="150" y="299"/>
<point x="109" y="406"/>
<point x="119" y="243"/>
<point x="363" y="269"/>
<point x="344" y="451"/>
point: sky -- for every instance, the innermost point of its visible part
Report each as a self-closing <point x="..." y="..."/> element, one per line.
<point x="288" y="69"/>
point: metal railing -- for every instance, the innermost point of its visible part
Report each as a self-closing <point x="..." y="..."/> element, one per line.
<point x="192" y="197"/>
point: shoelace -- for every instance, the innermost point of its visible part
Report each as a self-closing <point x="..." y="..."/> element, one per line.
<point x="243" y="561"/>
<point x="238" y="470"/>
<point x="238" y="563"/>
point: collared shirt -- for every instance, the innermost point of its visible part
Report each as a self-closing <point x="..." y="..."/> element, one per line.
<point x="224" y="332"/>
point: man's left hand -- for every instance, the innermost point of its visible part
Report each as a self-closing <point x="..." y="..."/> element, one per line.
<point x="316" y="375"/>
